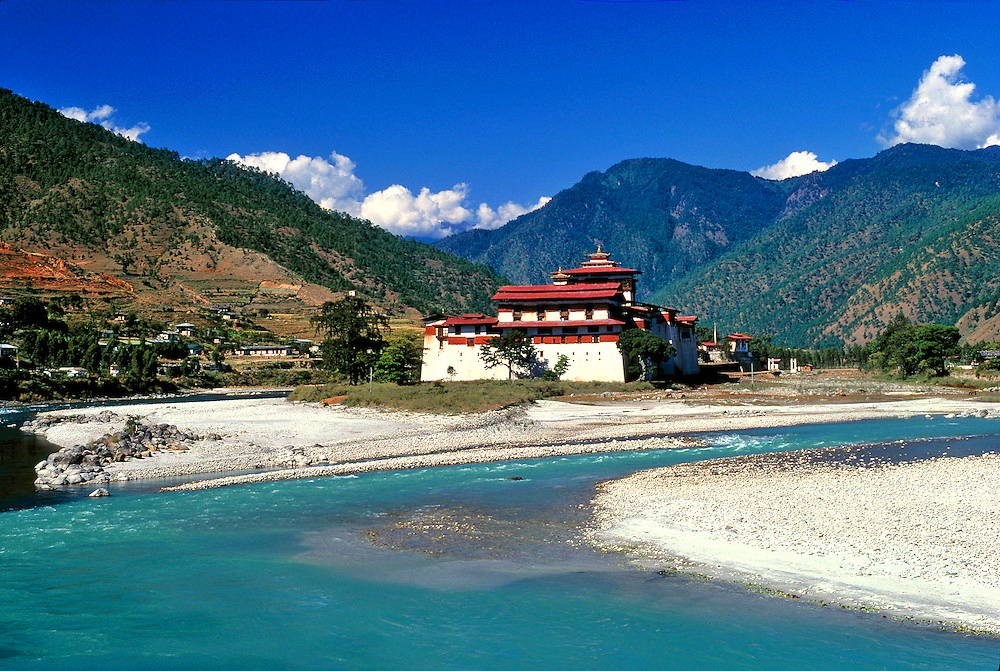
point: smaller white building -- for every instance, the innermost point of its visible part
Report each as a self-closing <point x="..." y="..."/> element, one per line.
<point x="265" y="350"/>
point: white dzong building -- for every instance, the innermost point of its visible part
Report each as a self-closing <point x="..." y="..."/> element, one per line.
<point x="581" y="314"/>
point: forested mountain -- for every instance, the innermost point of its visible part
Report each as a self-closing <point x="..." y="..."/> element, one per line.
<point x="659" y="215"/>
<point x="178" y="230"/>
<point x="820" y="259"/>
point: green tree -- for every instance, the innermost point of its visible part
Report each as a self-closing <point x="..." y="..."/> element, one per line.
<point x="218" y="355"/>
<point x="513" y="350"/>
<point x="399" y="362"/>
<point x="558" y="370"/>
<point x="353" y="336"/>
<point x="906" y="348"/>
<point x="29" y="313"/>
<point x="642" y="347"/>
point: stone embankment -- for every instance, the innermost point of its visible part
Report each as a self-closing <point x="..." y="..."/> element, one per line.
<point x="82" y="464"/>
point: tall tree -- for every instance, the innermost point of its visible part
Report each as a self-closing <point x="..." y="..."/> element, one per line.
<point x="513" y="350"/>
<point x="353" y="336"/>
<point x="646" y="349"/>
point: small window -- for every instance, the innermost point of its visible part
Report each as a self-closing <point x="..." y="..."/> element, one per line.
<point x="545" y="331"/>
<point x="593" y="329"/>
<point x="569" y="329"/>
<point x="564" y="315"/>
<point x="479" y="329"/>
<point x="589" y="313"/>
<point x="540" y="315"/>
<point x="517" y="315"/>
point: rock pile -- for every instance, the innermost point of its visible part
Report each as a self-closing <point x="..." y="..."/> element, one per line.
<point x="81" y="464"/>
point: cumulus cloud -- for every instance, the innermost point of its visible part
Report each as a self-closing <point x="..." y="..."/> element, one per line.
<point x="941" y="111"/>
<point x="332" y="183"/>
<point x="489" y="219"/>
<point x="103" y="115"/>
<point x="426" y="214"/>
<point x="795" y="164"/>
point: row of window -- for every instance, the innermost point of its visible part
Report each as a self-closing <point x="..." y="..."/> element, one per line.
<point x="565" y="330"/>
<point x="563" y="315"/>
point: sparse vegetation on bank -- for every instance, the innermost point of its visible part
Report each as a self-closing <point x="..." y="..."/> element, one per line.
<point x="455" y="397"/>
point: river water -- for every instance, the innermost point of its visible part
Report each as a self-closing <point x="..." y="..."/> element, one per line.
<point x="447" y="568"/>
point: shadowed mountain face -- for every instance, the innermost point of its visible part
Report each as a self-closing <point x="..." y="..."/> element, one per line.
<point x="176" y="231"/>
<point x="819" y="259"/>
<point x="661" y="216"/>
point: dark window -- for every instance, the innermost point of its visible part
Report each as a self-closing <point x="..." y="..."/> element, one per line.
<point x="517" y="315"/>
<point x="564" y="315"/>
<point x="593" y="329"/>
<point x="569" y="329"/>
<point x="589" y="313"/>
<point x="545" y="331"/>
<point x="541" y="315"/>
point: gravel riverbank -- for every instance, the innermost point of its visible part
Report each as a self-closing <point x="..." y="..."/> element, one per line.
<point x="295" y="440"/>
<point x="917" y="539"/>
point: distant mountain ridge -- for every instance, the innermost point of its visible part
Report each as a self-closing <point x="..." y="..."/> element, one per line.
<point x="182" y="231"/>
<point x="659" y="215"/>
<point x="819" y="259"/>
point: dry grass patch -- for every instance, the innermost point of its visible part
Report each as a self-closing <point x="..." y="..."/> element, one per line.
<point x="452" y="398"/>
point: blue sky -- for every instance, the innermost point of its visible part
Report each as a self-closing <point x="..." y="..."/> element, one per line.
<point x="419" y="115"/>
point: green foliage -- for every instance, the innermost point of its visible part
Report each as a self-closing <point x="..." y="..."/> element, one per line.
<point x="645" y="352"/>
<point x="762" y="349"/>
<point x="558" y="370"/>
<point x="399" y="363"/>
<point x="911" y="227"/>
<point x="29" y="313"/>
<point x="513" y="350"/>
<point x="907" y="349"/>
<point x="353" y="336"/>
<point x="65" y="180"/>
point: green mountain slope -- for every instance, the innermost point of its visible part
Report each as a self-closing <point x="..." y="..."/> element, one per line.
<point x="79" y="192"/>
<point x="661" y="216"/>
<point x="914" y="229"/>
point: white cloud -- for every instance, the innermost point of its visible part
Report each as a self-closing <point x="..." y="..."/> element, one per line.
<point x="941" y="111"/>
<point x="331" y="184"/>
<point x="103" y="115"/>
<point x="795" y="164"/>
<point x="489" y="219"/>
<point x="428" y="214"/>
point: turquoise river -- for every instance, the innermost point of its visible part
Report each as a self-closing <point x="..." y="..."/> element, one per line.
<point x="472" y="567"/>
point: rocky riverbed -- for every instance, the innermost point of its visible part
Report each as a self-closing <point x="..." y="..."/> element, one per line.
<point x="87" y="463"/>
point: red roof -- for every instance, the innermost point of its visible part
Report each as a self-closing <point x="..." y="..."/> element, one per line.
<point x="574" y="322"/>
<point x="739" y="336"/>
<point x="548" y="292"/>
<point x="603" y="270"/>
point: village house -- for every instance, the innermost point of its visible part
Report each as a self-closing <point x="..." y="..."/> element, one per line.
<point x="580" y="315"/>
<point x="739" y="346"/>
<point x="8" y="353"/>
<point x="265" y="350"/>
<point x="186" y="329"/>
